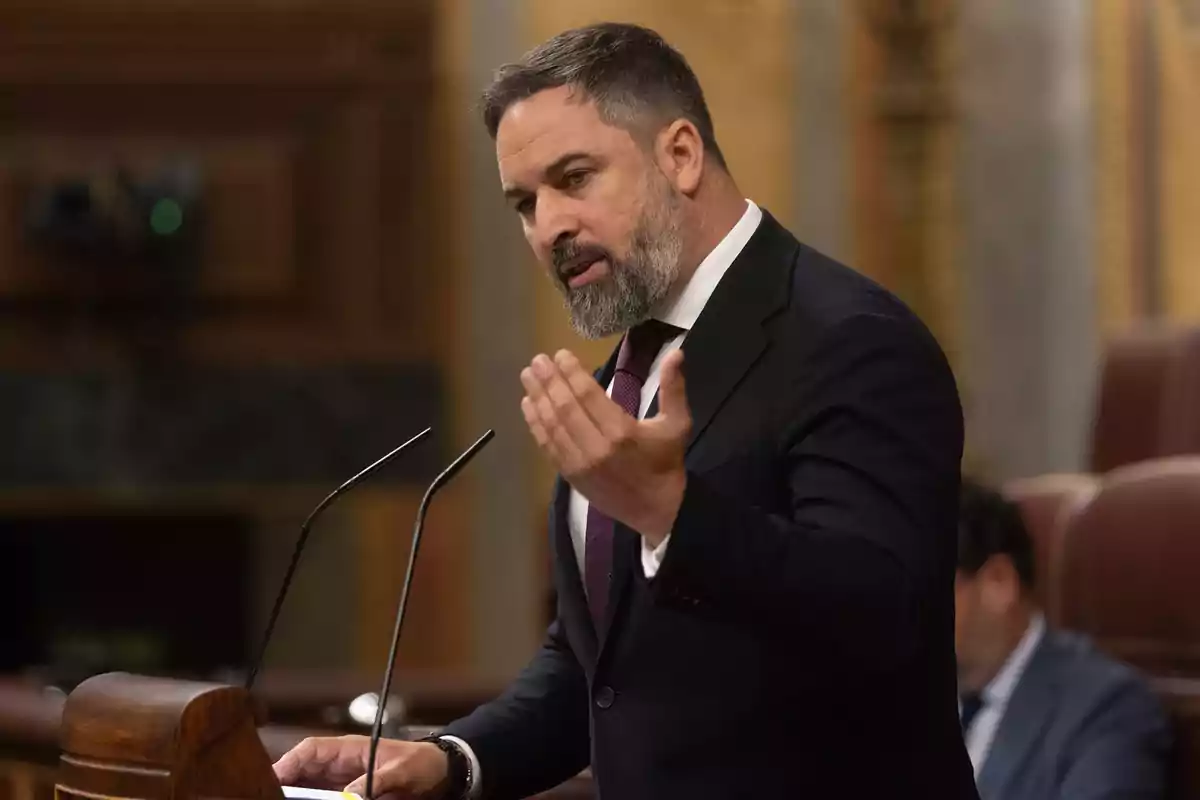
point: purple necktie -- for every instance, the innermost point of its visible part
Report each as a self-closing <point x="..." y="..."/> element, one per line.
<point x="638" y="350"/>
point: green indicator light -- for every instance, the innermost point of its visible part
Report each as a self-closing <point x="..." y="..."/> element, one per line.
<point x="166" y="217"/>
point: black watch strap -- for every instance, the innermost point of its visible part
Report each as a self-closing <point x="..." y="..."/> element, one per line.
<point x="458" y="778"/>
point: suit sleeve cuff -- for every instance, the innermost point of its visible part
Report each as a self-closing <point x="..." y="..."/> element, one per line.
<point x="652" y="557"/>
<point x="473" y="788"/>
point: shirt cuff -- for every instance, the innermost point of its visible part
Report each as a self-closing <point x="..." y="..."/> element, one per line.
<point x="473" y="786"/>
<point x="652" y="556"/>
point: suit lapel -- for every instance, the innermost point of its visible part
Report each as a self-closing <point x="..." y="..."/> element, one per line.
<point x="713" y="365"/>
<point x="729" y="336"/>
<point x="1020" y="731"/>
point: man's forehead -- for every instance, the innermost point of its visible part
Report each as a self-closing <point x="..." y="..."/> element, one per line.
<point x="539" y="130"/>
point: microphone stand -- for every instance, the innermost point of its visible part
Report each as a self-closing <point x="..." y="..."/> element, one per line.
<point x="438" y="483"/>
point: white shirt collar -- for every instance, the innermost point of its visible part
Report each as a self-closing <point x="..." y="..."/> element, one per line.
<point x="686" y="308"/>
<point x="1001" y="687"/>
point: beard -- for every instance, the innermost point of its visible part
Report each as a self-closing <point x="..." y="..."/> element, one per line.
<point x="637" y="283"/>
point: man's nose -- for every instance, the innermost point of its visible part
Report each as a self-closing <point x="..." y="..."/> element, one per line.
<point x="557" y="224"/>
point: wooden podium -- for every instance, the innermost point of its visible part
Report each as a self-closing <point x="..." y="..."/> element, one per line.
<point x="129" y="737"/>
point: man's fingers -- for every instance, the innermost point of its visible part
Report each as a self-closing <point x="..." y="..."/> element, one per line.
<point x="409" y="770"/>
<point x="307" y="759"/>
<point x="539" y="415"/>
<point x="536" y="379"/>
<point x="572" y="414"/>
<point x="672" y="395"/>
<point x="359" y="785"/>
<point x="541" y="436"/>
<point x="392" y="783"/>
<point x="287" y="768"/>
<point x="611" y="420"/>
<point x="529" y="410"/>
<point x="322" y="762"/>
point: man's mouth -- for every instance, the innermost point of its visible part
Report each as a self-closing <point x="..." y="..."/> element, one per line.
<point x="583" y="271"/>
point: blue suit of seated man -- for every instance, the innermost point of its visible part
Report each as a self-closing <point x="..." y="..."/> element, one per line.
<point x="1045" y="715"/>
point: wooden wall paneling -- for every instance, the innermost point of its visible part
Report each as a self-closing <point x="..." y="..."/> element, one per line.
<point x="309" y="130"/>
<point x="1147" y="68"/>
<point x="1177" y="31"/>
<point x="437" y="626"/>
<point x="904" y="146"/>
<point x="329" y="606"/>
<point x="324" y="284"/>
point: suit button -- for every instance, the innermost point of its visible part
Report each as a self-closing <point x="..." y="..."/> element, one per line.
<point x="605" y="697"/>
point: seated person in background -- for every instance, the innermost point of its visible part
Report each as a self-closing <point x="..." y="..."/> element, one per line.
<point x="1044" y="714"/>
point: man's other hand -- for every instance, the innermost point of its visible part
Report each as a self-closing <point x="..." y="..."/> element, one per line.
<point x="403" y="770"/>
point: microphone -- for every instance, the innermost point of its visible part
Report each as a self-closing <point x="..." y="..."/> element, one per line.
<point x="438" y="483"/>
<point x="291" y="570"/>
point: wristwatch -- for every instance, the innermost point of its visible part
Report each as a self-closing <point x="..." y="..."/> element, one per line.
<point x="458" y="775"/>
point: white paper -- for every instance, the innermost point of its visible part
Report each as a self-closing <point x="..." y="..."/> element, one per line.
<point x="300" y="793"/>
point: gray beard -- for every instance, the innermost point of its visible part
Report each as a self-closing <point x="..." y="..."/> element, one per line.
<point x="635" y="287"/>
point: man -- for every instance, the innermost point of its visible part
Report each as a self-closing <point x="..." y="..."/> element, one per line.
<point x="755" y="572"/>
<point x="1045" y="716"/>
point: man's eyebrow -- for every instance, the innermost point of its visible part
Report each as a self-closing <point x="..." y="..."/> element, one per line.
<point x="559" y="166"/>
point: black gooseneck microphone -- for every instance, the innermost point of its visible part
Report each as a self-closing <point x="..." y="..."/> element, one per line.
<point x="291" y="570"/>
<point x="381" y="706"/>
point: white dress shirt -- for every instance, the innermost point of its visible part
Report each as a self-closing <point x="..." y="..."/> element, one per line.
<point x="682" y="313"/>
<point x="998" y="692"/>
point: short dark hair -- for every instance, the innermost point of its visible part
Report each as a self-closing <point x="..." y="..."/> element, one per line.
<point x="990" y="524"/>
<point x="629" y="71"/>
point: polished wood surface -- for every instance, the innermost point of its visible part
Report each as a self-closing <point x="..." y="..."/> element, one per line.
<point x="31" y="726"/>
<point x="132" y="736"/>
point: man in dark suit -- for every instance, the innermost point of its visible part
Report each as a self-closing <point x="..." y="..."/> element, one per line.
<point x="1046" y="716"/>
<point x="755" y="572"/>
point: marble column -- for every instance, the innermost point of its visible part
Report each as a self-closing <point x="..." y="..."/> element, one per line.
<point x="822" y="129"/>
<point x="1030" y="331"/>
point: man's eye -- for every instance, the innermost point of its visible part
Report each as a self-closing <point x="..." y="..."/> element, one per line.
<point x="576" y="178"/>
<point x="524" y="207"/>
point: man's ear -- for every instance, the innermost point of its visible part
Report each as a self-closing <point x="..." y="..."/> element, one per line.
<point x="999" y="583"/>
<point x="679" y="151"/>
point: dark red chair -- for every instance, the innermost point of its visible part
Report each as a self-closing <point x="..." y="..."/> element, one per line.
<point x="1129" y="576"/>
<point x="1148" y="401"/>
<point x="1047" y="503"/>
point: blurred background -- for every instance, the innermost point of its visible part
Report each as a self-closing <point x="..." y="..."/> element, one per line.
<point x="247" y="248"/>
